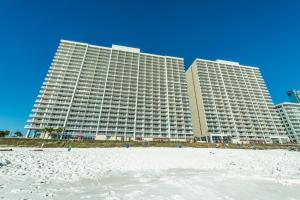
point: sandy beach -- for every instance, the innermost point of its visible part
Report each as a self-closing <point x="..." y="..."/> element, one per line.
<point x="149" y="173"/>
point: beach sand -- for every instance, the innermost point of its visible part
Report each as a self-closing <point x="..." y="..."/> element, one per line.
<point x="149" y="173"/>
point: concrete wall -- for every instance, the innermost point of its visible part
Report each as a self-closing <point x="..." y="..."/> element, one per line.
<point x="196" y="104"/>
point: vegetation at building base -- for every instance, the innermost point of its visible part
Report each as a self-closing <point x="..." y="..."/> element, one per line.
<point x="4" y="133"/>
<point x="52" y="132"/>
<point x="57" y="143"/>
<point x="18" y="134"/>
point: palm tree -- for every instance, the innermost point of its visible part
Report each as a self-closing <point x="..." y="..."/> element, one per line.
<point x="59" y="132"/>
<point x="51" y="132"/>
<point x="44" y="131"/>
<point x="47" y="131"/>
<point x="18" y="134"/>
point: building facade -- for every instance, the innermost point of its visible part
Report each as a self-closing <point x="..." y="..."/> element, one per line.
<point x="294" y="96"/>
<point x="113" y="93"/>
<point x="230" y="102"/>
<point x="290" y="117"/>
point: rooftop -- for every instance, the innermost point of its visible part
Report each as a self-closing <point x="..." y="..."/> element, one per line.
<point x="226" y="62"/>
<point x="121" y="48"/>
<point x="287" y="104"/>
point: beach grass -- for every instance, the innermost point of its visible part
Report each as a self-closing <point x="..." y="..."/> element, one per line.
<point x="55" y="143"/>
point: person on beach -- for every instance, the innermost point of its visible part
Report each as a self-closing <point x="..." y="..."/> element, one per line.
<point x="69" y="148"/>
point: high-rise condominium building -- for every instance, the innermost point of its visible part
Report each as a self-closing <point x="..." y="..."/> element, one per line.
<point x="290" y="117"/>
<point x="113" y="93"/>
<point x="294" y="96"/>
<point x="230" y="101"/>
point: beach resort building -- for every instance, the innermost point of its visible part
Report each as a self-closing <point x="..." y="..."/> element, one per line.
<point x="290" y="117"/>
<point x="230" y="102"/>
<point x="294" y="96"/>
<point x="114" y="92"/>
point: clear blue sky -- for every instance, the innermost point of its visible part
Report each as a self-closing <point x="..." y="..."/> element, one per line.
<point x="257" y="33"/>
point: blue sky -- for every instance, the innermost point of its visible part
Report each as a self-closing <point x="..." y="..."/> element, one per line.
<point x="257" y="33"/>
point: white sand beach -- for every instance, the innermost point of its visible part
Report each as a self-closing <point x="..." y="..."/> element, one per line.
<point x="149" y="173"/>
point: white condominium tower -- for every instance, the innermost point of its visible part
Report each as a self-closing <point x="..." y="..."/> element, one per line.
<point x="230" y="101"/>
<point x="290" y="117"/>
<point x="113" y="93"/>
<point x="294" y="95"/>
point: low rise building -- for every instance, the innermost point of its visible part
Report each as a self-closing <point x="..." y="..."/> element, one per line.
<point x="290" y="117"/>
